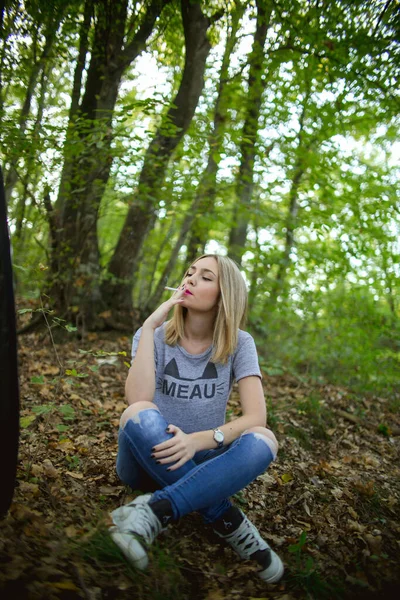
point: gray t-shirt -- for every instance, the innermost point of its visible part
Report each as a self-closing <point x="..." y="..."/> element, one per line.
<point x="191" y="391"/>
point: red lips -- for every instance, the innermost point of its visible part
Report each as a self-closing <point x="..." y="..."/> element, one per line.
<point x="187" y="292"/>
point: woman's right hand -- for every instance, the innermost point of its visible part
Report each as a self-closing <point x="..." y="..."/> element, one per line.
<point x="157" y="318"/>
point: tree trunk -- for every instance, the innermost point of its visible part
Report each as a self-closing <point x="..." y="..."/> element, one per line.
<point x="28" y="180"/>
<point x="7" y="24"/>
<point x="80" y="63"/>
<point x="291" y="224"/>
<point x="88" y="155"/>
<point x="11" y="177"/>
<point x="244" y="186"/>
<point x="293" y="209"/>
<point x="203" y="206"/>
<point x="389" y="280"/>
<point x="255" y="273"/>
<point x="203" y="203"/>
<point x="149" y="266"/>
<point x="142" y="213"/>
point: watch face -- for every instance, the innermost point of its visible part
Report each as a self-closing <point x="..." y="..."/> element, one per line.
<point x="218" y="436"/>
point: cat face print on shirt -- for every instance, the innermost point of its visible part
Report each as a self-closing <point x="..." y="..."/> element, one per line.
<point x="205" y="386"/>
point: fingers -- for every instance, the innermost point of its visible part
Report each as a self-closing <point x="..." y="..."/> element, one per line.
<point x="173" y="458"/>
<point x="167" y="452"/>
<point x="179" y="294"/>
<point x="164" y="446"/>
<point x="168" y="443"/>
<point x="168" y="449"/>
<point x="174" y="450"/>
<point x="171" y="454"/>
<point x="178" y="464"/>
<point x="161" y="313"/>
<point x="173" y="429"/>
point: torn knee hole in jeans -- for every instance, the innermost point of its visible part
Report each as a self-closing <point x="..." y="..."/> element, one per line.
<point x="272" y="445"/>
<point x="124" y="420"/>
<point x="135" y="417"/>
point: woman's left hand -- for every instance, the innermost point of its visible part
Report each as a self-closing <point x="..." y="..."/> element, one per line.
<point x="178" y="450"/>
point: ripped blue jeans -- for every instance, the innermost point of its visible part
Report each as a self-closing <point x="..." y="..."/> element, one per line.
<point x="202" y="484"/>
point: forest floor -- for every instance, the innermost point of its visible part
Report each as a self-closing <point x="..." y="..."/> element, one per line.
<point x="330" y="504"/>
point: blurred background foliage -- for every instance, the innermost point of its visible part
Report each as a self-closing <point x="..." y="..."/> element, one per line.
<point x="136" y="135"/>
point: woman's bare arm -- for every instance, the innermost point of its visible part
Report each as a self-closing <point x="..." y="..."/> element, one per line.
<point x="254" y="414"/>
<point x="141" y="382"/>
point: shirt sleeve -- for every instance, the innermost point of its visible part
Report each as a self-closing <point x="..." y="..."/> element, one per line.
<point x="135" y="344"/>
<point x="245" y="360"/>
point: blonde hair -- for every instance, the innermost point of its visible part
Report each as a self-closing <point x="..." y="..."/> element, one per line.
<point x="231" y="313"/>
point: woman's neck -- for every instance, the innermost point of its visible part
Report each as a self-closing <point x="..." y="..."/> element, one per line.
<point x="199" y="327"/>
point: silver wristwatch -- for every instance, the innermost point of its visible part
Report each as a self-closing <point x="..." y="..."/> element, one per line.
<point x="219" y="437"/>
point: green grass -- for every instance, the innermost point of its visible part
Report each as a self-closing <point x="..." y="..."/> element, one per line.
<point x="299" y="434"/>
<point x="304" y="574"/>
<point x="319" y="415"/>
<point x="162" y="580"/>
<point x="272" y="418"/>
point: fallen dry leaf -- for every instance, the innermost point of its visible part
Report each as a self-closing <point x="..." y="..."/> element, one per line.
<point x="49" y="469"/>
<point x="341" y="491"/>
<point x="74" y="475"/>
<point x="29" y="488"/>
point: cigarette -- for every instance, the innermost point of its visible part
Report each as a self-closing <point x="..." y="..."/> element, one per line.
<point x="170" y="288"/>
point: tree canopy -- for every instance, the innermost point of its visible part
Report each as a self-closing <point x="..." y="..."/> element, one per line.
<point x="136" y="135"/>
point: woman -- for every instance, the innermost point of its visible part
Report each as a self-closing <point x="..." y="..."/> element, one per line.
<point x="173" y="435"/>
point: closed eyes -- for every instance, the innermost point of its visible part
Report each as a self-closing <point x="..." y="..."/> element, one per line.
<point x="204" y="277"/>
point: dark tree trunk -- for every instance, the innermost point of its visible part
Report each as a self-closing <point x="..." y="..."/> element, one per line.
<point x="86" y="169"/>
<point x="202" y="210"/>
<point x="248" y="149"/>
<point x="143" y="210"/>
<point x="88" y="155"/>
<point x="82" y="53"/>
<point x="203" y="203"/>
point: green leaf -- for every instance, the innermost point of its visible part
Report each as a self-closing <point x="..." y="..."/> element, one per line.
<point x="296" y="548"/>
<point x="384" y="429"/>
<point x="68" y="412"/>
<point x="72" y="372"/>
<point x="75" y="373"/>
<point x="62" y="428"/>
<point x="44" y="409"/>
<point x="37" y="379"/>
<point x="24" y="422"/>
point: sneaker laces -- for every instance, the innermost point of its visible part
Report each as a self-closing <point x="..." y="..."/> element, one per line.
<point x="245" y="540"/>
<point x="138" y="518"/>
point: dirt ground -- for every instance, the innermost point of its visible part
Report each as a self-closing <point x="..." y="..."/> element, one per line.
<point x="329" y="505"/>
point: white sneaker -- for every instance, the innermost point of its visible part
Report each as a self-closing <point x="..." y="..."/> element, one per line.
<point x="246" y="541"/>
<point x="135" y="528"/>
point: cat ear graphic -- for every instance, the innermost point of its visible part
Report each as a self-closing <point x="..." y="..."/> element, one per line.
<point x="210" y="372"/>
<point x="172" y="369"/>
